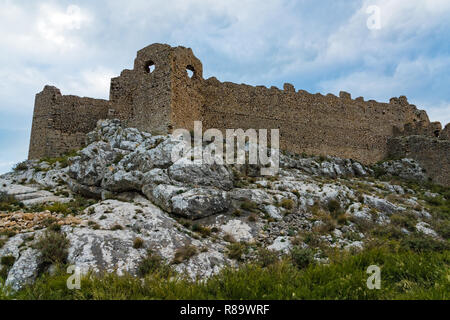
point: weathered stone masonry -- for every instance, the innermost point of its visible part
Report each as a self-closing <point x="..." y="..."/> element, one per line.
<point x="158" y="96"/>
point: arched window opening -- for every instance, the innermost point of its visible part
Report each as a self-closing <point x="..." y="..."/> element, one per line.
<point x="150" y="67"/>
<point x="190" y="71"/>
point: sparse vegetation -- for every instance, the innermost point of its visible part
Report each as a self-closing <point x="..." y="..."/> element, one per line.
<point x="9" y="202"/>
<point x="21" y="166"/>
<point x="287" y="204"/>
<point x="184" y="253"/>
<point x="153" y="264"/>
<point x="116" y="227"/>
<point x="53" y="248"/>
<point x="408" y="275"/>
<point x="6" y="263"/>
<point x="236" y="250"/>
<point x="249" y="206"/>
<point x="302" y="257"/>
<point x="138" y="243"/>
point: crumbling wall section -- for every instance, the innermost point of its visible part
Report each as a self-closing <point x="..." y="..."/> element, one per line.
<point x="60" y="123"/>
<point x="426" y="143"/>
<point x="142" y="97"/>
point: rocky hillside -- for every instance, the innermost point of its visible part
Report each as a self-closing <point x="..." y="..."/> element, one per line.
<point x="117" y="202"/>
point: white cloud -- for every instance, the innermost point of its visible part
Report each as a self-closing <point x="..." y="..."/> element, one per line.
<point x="91" y="83"/>
<point x="55" y="25"/>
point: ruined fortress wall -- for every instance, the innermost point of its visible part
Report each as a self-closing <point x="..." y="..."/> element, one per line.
<point x="60" y="123"/>
<point x="433" y="154"/>
<point x="310" y="123"/>
<point x="428" y="144"/>
<point x="163" y="99"/>
<point x="142" y="97"/>
<point x="158" y="96"/>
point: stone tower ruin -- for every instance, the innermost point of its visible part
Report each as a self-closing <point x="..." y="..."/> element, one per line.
<point x="165" y="90"/>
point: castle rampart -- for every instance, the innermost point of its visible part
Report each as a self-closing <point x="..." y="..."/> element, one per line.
<point x="60" y="123"/>
<point x="159" y="95"/>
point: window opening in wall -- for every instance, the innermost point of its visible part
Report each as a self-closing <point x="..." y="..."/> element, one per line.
<point x="150" y="67"/>
<point x="190" y="71"/>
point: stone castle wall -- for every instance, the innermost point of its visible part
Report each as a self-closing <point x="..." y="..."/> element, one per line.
<point x="310" y="123"/>
<point x="428" y="144"/>
<point x="60" y="123"/>
<point x="158" y="96"/>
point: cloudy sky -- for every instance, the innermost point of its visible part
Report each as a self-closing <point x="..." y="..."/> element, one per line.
<point x="320" y="46"/>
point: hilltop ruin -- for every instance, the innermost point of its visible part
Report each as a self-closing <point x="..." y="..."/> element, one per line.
<point x="158" y="96"/>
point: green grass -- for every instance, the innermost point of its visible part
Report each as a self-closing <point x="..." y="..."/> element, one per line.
<point x="64" y="160"/>
<point x="404" y="275"/>
<point x="9" y="203"/>
<point x="75" y="207"/>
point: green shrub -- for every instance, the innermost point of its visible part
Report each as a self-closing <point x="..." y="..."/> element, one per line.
<point x="116" y="227"/>
<point x="152" y="264"/>
<point x="53" y="247"/>
<point x="266" y="257"/>
<point x="379" y="172"/>
<point x="334" y="207"/>
<point x="287" y="204"/>
<point x="302" y="257"/>
<point x="204" y="231"/>
<point x="9" y="202"/>
<point x="7" y="261"/>
<point x="236" y="251"/>
<point x="138" y="243"/>
<point x="58" y="207"/>
<point x="21" y="166"/>
<point x="422" y="243"/>
<point x="249" y="206"/>
<point x="237" y="213"/>
<point x="404" y="220"/>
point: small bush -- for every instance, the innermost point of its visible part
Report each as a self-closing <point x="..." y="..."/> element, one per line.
<point x="237" y="213"/>
<point x="422" y="243"/>
<point x="334" y="206"/>
<point x="288" y="204"/>
<point x="184" y="253"/>
<point x="266" y="257"/>
<point x="236" y="251"/>
<point x="253" y="217"/>
<point x="152" y="264"/>
<point x="379" y="172"/>
<point x="402" y="220"/>
<point x="9" y="203"/>
<point x="229" y="238"/>
<point x="301" y="257"/>
<point x="55" y="227"/>
<point x="2" y="243"/>
<point x="58" y="207"/>
<point x="249" y="206"/>
<point x="53" y="247"/>
<point x="116" y="227"/>
<point x="21" y="166"/>
<point x="138" y="243"/>
<point x="7" y="261"/>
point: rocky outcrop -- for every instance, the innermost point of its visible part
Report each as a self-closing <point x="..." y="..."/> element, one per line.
<point x="140" y="193"/>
